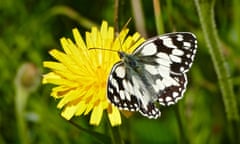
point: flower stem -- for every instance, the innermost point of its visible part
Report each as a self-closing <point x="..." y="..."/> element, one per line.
<point x="20" y="100"/>
<point x="116" y="136"/>
<point x="116" y="13"/>
<point x="139" y="17"/>
<point x="183" y="138"/>
<point x="236" y="22"/>
<point x="97" y="136"/>
<point x="160" y="30"/>
<point x="158" y="16"/>
<point x="205" y="10"/>
<point x="25" y="82"/>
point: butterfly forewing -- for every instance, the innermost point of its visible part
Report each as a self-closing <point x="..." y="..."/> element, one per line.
<point x="176" y="50"/>
<point x="154" y="72"/>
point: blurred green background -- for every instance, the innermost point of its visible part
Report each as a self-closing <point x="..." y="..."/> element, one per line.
<point x="29" y="29"/>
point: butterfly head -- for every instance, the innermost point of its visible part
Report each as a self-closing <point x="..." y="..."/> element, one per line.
<point x="128" y="59"/>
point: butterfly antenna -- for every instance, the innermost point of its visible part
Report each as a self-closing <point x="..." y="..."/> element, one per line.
<point x="124" y="27"/>
<point x="126" y="24"/>
<point x="103" y="49"/>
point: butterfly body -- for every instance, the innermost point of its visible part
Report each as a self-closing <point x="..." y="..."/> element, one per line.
<point x="154" y="73"/>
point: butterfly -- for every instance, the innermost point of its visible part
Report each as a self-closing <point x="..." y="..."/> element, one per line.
<point x="155" y="72"/>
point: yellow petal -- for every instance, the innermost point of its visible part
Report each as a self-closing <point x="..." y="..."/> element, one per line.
<point x="114" y="116"/>
<point x="81" y="108"/>
<point x="69" y="111"/>
<point x="96" y="115"/>
<point x="79" y="40"/>
<point x="71" y="96"/>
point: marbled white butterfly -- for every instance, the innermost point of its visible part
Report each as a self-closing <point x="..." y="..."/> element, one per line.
<point x="154" y="72"/>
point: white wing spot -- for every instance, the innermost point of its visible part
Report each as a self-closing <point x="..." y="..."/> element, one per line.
<point x="132" y="109"/>
<point x="127" y="96"/>
<point x="163" y="55"/>
<point x="163" y="62"/>
<point x="175" y="94"/>
<point x="116" y="99"/>
<point x="160" y="99"/>
<point x="153" y="112"/>
<point x="187" y="44"/>
<point x="115" y="84"/>
<point x="194" y="51"/>
<point x="188" y="55"/>
<point x="163" y="37"/>
<point x="168" y="43"/>
<point x="177" y="52"/>
<point x="125" y="84"/>
<point x="181" y="69"/>
<point x="120" y="71"/>
<point x="136" y="105"/>
<point x="168" y="98"/>
<point x="149" y="49"/>
<point x="122" y="95"/>
<point x="195" y="41"/>
<point x="175" y="59"/>
<point x="110" y="90"/>
<point x="179" y="37"/>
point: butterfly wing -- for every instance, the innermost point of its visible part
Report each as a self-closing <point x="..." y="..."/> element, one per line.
<point x="167" y="58"/>
<point x="175" y="50"/>
<point x="128" y="92"/>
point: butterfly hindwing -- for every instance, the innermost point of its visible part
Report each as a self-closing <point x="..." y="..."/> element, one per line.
<point x="171" y="94"/>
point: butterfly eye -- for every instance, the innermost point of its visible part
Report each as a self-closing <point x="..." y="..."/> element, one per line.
<point x="132" y="63"/>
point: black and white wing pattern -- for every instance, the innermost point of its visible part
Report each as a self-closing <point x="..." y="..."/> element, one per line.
<point x="154" y="72"/>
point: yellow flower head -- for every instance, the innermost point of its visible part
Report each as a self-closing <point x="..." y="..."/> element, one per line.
<point x="81" y="74"/>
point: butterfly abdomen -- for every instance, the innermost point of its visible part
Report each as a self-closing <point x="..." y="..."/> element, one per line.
<point x="136" y="68"/>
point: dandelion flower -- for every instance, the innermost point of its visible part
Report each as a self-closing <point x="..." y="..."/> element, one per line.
<point x="80" y="74"/>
